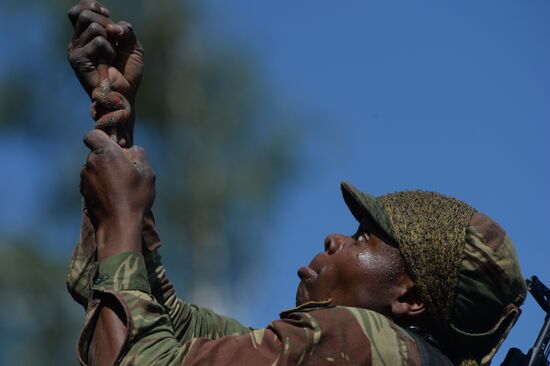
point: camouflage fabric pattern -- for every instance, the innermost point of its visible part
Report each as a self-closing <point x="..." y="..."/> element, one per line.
<point x="82" y="266"/>
<point x="188" y="320"/>
<point x="482" y="277"/>
<point x="312" y="334"/>
<point x="490" y="288"/>
<point x="185" y="318"/>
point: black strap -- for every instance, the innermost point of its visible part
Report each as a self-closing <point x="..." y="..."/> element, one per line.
<point x="430" y="355"/>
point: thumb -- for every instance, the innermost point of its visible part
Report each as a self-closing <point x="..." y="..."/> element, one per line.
<point x="122" y="32"/>
<point x="97" y="139"/>
<point x="137" y="153"/>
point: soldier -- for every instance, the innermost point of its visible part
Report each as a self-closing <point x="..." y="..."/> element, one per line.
<point x="425" y="280"/>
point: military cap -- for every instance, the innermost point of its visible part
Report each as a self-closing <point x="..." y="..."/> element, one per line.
<point x="463" y="263"/>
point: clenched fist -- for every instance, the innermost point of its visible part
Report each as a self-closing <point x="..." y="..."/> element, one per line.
<point x="118" y="186"/>
<point x="97" y="38"/>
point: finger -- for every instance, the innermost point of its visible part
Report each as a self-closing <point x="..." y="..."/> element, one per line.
<point x="91" y="162"/>
<point x="98" y="140"/>
<point x="87" y="17"/>
<point x="137" y="153"/>
<point x="148" y="173"/>
<point x="138" y="156"/>
<point x="82" y="183"/>
<point x="93" y="30"/>
<point x="127" y="46"/>
<point x="84" y="186"/>
<point x="125" y="133"/>
<point x="92" y="5"/>
<point x="122" y="31"/>
<point x="125" y="37"/>
<point x="84" y="58"/>
<point x="84" y="61"/>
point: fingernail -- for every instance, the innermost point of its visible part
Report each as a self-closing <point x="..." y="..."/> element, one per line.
<point x="118" y="29"/>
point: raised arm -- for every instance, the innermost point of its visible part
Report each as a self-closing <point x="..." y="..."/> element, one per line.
<point x="118" y="186"/>
<point x="98" y="39"/>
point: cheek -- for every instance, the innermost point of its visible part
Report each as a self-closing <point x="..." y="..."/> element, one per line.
<point x="380" y="269"/>
<point x="373" y="275"/>
<point x="350" y="275"/>
<point x="366" y="261"/>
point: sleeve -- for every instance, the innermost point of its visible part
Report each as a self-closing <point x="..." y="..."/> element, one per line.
<point x="122" y="280"/>
<point x="188" y="321"/>
<point x="82" y="265"/>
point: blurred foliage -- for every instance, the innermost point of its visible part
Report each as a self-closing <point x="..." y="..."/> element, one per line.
<point x="37" y="324"/>
<point x="12" y="92"/>
<point x="220" y="150"/>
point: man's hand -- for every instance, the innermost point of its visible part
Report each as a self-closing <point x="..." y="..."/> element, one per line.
<point x="96" y="37"/>
<point x="118" y="186"/>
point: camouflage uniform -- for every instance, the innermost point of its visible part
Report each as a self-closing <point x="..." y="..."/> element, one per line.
<point x="184" y="317"/>
<point x="164" y="330"/>
<point x="314" y="333"/>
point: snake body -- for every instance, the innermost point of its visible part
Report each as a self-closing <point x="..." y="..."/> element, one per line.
<point x="115" y="104"/>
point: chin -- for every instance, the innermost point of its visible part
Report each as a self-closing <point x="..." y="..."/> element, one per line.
<point x="302" y="295"/>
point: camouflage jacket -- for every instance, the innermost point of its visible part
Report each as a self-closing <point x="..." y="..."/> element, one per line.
<point x="312" y="334"/>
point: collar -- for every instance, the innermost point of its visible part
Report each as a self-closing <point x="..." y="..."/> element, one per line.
<point x="308" y="306"/>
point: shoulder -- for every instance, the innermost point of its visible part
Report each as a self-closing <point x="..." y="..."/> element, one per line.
<point x="358" y="330"/>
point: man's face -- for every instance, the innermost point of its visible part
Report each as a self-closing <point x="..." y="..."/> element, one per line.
<point x="358" y="271"/>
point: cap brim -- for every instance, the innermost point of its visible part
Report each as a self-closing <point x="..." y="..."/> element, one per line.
<point x="363" y="205"/>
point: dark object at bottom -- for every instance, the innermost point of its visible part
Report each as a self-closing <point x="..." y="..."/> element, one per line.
<point x="538" y="354"/>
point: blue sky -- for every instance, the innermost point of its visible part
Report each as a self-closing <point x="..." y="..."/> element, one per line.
<point x="450" y="96"/>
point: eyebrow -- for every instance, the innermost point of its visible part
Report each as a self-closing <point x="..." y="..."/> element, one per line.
<point x="364" y="228"/>
<point x="370" y="226"/>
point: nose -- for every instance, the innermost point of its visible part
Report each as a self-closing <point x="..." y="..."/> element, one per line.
<point x="333" y="243"/>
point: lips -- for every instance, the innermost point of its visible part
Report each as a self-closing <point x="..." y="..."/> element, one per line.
<point x="306" y="273"/>
<point x="313" y="269"/>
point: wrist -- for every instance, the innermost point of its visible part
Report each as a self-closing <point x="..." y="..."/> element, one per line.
<point x="118" y="236"/>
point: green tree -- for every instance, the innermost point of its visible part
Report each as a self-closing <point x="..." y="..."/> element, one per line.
<point x="220" y="148"/>
<point x="37" y="324"/>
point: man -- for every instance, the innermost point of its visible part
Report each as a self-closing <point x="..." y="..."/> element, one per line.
<point x="425" y="280"/>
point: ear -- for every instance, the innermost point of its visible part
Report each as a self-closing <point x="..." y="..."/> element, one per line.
<point x="406" y="303"/>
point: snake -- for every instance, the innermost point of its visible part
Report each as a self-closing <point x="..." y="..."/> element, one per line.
<point x="115" y="108"/>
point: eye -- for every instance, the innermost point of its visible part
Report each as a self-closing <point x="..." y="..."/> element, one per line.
<point x="363" y="237"/>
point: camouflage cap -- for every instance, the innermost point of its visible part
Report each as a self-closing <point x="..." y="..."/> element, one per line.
<point x="462" y="262"/>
